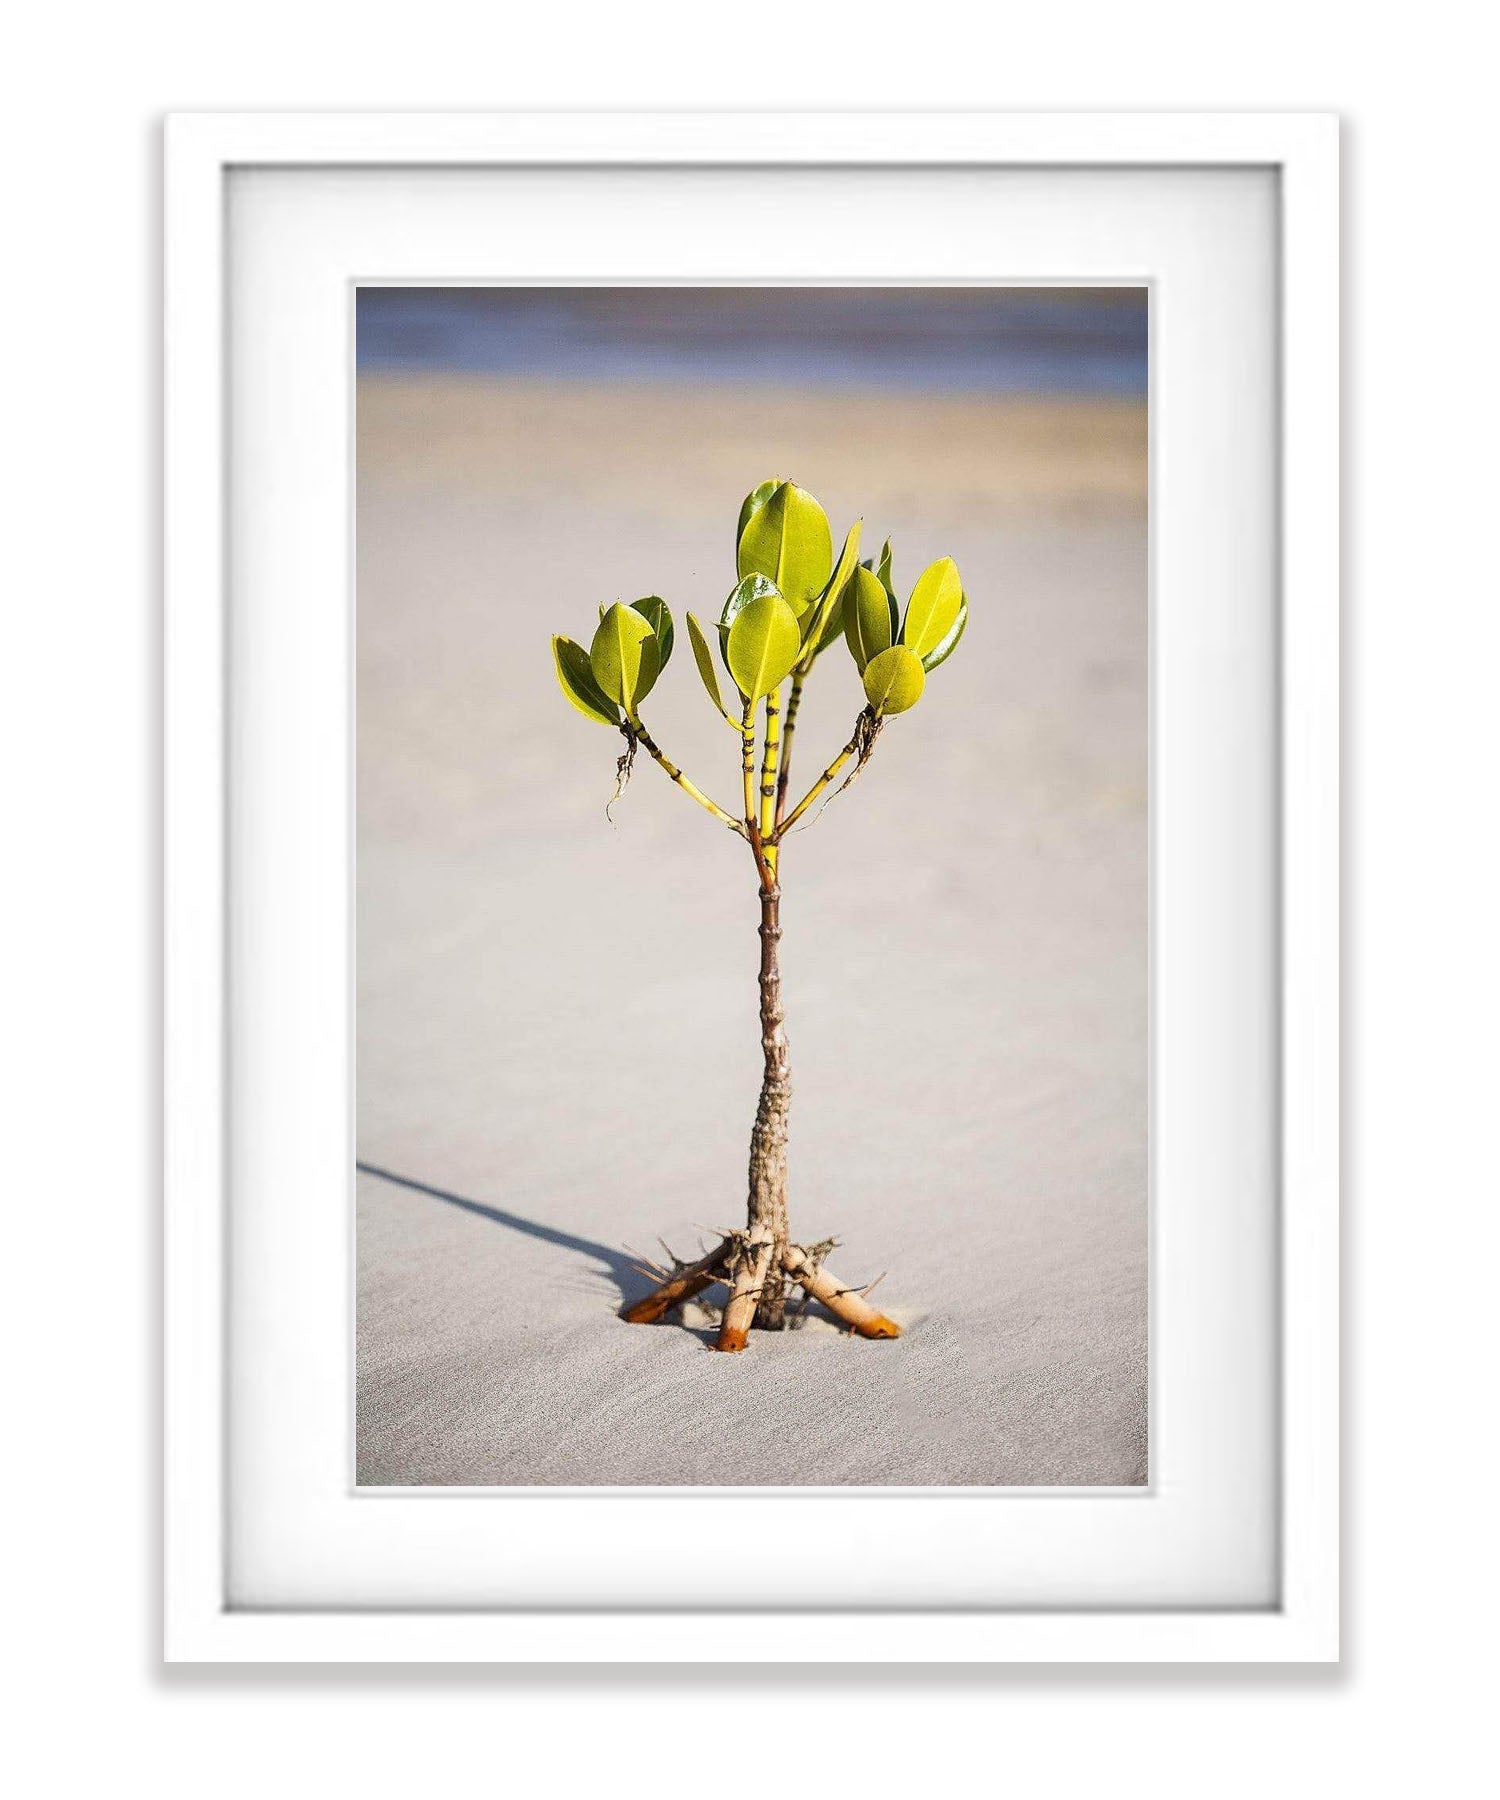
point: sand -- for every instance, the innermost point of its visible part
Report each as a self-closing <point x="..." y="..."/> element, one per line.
<point x="557" y="1045"/>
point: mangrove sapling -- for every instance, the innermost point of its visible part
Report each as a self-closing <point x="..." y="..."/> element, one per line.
<point x="791" y="601"/>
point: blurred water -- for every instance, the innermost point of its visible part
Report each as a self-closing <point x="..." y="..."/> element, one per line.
<point x="1074" y="341"/>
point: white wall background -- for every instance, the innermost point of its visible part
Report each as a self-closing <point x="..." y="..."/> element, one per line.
<point x="78" y="441"/>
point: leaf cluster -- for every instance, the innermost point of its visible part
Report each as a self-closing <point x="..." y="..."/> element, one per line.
<point x="608" y="681"/>
<point x="896" y="650"/>
<point x="792" y="599"/>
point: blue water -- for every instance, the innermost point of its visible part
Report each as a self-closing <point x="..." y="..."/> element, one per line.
<point x="1076" y="341"/>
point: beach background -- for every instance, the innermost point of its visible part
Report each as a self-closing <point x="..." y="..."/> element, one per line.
<point x="557" y="1046"/>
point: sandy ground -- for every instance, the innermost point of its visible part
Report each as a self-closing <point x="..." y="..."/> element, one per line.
<point x="558" y="1053"/>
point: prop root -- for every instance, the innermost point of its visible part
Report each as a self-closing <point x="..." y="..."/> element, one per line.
<point x="742" y="1260"/>
<point x="844" y="1303"/>
<point x="752" y="1263"/>
<point x="688" y="1279"/>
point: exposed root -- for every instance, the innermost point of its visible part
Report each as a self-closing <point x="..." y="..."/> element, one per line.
<point x="867" y="729"/>
<point x="814" y="1254"/>
<point x="685" y="1281"/>
<point x="750" y="1264"/>
<point x="623" y="767"/>
<point x="742" y="1261"/>
<point x="845" y="1303"/>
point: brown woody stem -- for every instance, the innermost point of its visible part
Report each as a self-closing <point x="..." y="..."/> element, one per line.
<point x="768" y="1136"/>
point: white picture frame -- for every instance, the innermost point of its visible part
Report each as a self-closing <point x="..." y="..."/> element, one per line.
<point x="1299" y="1621"/>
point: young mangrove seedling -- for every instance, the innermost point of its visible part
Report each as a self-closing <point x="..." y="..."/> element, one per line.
<point x="791" y="600"/>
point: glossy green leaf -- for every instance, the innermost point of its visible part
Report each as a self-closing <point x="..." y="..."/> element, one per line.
<point x="883" y="569"/>
<point x="894" y="680"/>
<point x="788" y="541"/>
<point x="625" y="656"/>
<point x="704" y="658"/>
<point x="753" y="502"/>
<point x="932" y="611"/>
<point x="833" y="623"/>
<point x="650" y="667"/>
<point x="869" y="618"/>
<point x="764" y="643"/>
<point x="575" y="676"/>
<point x="950" y="643"/>
<point x="654" y="610"/>
<point x="815" y="619"/>
<point x="753" y="587"/>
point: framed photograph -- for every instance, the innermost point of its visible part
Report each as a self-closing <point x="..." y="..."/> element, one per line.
<point x="752" y="887"/>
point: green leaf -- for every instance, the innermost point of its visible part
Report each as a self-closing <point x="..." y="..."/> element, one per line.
<point x="869" y="618"/>
<point x="753" y="587"/>
<point x="932" y="611"/>
<point x="894" y="680"/>
<point x="704" y="657"/>
<point x="653" y="609"/>
<point x="832" y="625"/>
<point x="815" y="619"/>
<point x="753" y="502"/>
<point x="650" y="669"/>
<point x="883" y="569"/>
<point x="950" y="643"/>
<point x="788" y="541"/>
<point x="764" y="643"/>
<point x="625" y="657"/>
<point x="575" y="677"/>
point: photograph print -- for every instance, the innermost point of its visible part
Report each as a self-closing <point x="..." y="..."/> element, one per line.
<point x="751" y="1012"/>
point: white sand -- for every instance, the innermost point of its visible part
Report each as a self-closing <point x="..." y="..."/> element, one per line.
<point x="556" y="1016"/>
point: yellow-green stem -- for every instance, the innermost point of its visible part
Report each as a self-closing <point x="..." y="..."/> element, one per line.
<point x="747" y="762"/>
<point x="768" y="776"/>
<point x="818" y="787"/>
<point x="785" y="773"/>
<point x="752" y="816"/>
<point x="676" y="775"/>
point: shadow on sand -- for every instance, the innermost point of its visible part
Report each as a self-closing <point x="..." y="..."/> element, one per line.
<point x="617" y="1265"/>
